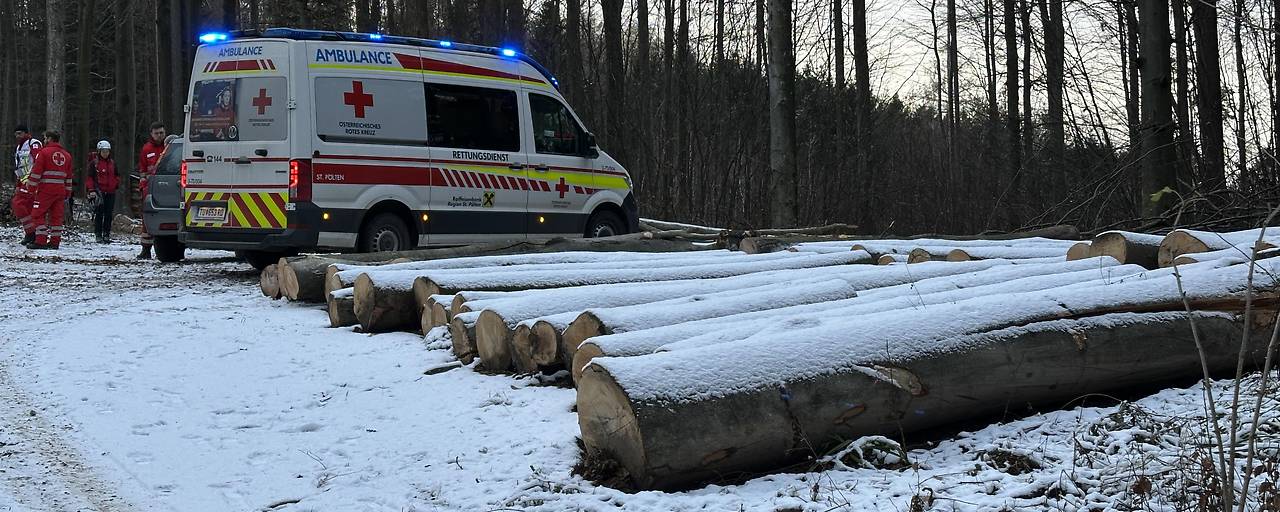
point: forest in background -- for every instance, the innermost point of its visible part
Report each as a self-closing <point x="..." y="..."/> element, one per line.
<point x="755" y="113"/>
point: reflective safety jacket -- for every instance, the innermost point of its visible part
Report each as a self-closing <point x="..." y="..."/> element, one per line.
<point x="52" y="172"/>
<point x="25" y="157"/>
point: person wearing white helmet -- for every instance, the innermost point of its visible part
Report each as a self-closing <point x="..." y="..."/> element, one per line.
<point x="100" y="188"/>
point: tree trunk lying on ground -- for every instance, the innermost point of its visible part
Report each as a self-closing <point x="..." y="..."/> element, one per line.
<point x="388" y="300"/>
<point x="1126" y="247"/>
<point x="1010" y="253"/>
<point x="1241" y="253"/>
<point x="1185" y="241"/>
<point x="889" y="259"/>
<point x="674" y="419"/>
<point x="342" y="308"/>
<point x="1078" y="251"/>
<point x="269" y="282"/>
<point x="931" y="288"/>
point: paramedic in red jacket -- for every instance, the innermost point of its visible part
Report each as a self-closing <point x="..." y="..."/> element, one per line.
<point x="147" y="160"/>
<point x="23" y="158"/>
<point x="100" y="188"/>
<point x="50" y="180"/>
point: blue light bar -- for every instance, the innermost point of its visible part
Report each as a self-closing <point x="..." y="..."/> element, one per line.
<point x="446" y="44"/>
<point x="213" y="37"/>
<point x="375" y="37"/>
<point x="507" y="52"/>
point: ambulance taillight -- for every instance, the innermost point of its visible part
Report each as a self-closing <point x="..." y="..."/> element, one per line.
<point x="182" y="178"/>
<point x="299" y="180"/>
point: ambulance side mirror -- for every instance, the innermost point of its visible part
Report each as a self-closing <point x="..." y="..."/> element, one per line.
<point x="589" y="148"/>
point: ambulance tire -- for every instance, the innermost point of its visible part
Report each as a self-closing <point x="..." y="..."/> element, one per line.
<point x="604" y="223"/>
<point x="386" y="232"/>
<point x="169" y="249"/>
<point x="260" y="259"/>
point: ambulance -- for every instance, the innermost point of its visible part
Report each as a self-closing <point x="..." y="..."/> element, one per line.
<point x="305" y="140"/>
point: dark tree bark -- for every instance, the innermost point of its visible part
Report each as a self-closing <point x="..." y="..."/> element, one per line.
<point x="837" y="30"/>
<point x="1158" y="151"/>
<point x="782" y="116"/>
<point x="862" y="95"/>
<point x="1011" y="89"/>
<point x="1129" y="58"/>
<point x="573" y="49"/>
<point x="55" y="66"/>
<point x="761" y="45"/>
<point x="126" y="110"/>
<point x="515" y="36"/>
<point x="1054" y="51"/>
<point x="1242" y="89"/>
<point x="364" y="16"/>
<point x="81" y="145"/>
<point x="255" y="14"/>
<point x="1028" y="126"/>
<point x="230" y="14"/>
<point x="1182" y="95"/>
<point x="8" y="96"/>
<point x="614" y="77"/>
<point x="1204" y="25"/>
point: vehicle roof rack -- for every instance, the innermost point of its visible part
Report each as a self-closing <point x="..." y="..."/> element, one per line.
<point x="334" y="35"/>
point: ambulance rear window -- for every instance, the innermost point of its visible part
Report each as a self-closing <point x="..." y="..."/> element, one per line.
<point x="240" y="109"/>
<point x="472" y="118"/>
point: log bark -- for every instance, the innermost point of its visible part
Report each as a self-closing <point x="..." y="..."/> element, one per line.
<point x="342" y="312"/>
<point x="269" y="282"/>
<point x="666" y="445"/>
<point x="464" y="341"/>
<point x="1078" y="251"/>
<point x="1125" y="247"/>
<point x="302" y="278"/>
<point x="1184" y="241"/>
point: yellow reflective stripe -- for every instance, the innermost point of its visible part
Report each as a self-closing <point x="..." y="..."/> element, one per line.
<point x="239" y="215"/>
<point x="364" y="68"/>
<point x="274" y="209"/>
<point x="248" y="201"/>
<point x="357" y="67"/>
<point x="615" y="182"/>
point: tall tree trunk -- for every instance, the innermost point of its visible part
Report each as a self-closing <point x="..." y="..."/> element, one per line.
<point x="573" y="49"/>
<point x="1182" y="95"/>
<point x="761" y="46"/>
<point x="255" y="15"/>
<point x="230" y="14"/>
<point x="862" y="99"/>
<point x="84" y="90"/>
<point x="1054" y="61"/>
<point x="364" y="16"/>
<point x="937" y="59"/>
<point x="684" y="72"/>
<point x="1275" y="74"/>
<point x="55" y="66"/>
<point x="782" y="116"/>
<point x="1011" y="89"/>
<point x="1158" y="152"/>
<point x="7" y="92"/>
<point x="614" y="78"/>
<point x="989" y="54"/>
<point x="1204" y="25"/>
<point x="1129" y="56"/>
<point x="1028" y="126"/>
<point x="126" y="110"/>
<point x="953" y="91"/>
<point x="1242" y="90"/>
<point x="837" y="30"/>
<point x="719" y="33"/>
<point x="515" y="36"/>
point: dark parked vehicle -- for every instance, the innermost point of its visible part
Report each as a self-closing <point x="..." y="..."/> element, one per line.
<point x="162" y="208"/>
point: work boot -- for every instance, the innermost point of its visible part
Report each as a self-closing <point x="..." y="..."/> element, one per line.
<point x="42" y="247"/>
<point x="29" y="239"/>
<point x="146" y="253"/>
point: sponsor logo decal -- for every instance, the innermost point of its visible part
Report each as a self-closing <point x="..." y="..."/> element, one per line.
<point x="488" y="199"/>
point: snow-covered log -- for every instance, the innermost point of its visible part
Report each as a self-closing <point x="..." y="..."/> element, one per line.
<point x="925" y="254"/>
<point x="1240" y="253"/>
<point x="1126" y="247"/>
<point x="302" y="278"/>
<point x="269" y="282"/>
<point x="1011" y="253"/>
<point x="342" y="308"/>
<point x="889" y="259"/>
<point x="675" y="418"/>
<point x="1185" y="241"/>
<point x="464" y="341"/>
<point x="928" y="290"/>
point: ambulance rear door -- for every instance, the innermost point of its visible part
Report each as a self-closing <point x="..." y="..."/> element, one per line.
<point x="238" y="132"/>
<point x="560" y="165"/>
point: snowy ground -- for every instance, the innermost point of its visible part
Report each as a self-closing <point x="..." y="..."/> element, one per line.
<point x="138" y="386"/>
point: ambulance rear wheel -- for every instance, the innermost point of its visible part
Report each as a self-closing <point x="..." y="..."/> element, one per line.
<point x="260" y="259"/>
<point x="604" y="223"/>
<point x="385" y="233"/>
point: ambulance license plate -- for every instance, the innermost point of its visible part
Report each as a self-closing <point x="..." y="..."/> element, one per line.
<point x="210" y="214"/>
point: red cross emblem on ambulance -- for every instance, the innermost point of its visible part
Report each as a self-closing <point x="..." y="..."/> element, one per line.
<point x="357" y="98"/>
<point x="262" y="101"/>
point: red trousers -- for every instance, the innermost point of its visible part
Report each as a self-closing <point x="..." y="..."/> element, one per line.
<point x="143" y="189"/>
<point x="22" y="209"/>
<point x="47" y="213"/>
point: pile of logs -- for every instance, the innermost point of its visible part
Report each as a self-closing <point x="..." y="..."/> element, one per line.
<point x="693" y="361"/>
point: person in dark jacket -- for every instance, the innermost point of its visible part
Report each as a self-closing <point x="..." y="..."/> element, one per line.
<point x="100" y="188"/>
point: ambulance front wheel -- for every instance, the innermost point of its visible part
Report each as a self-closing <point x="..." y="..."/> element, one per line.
<point x="386" y="232"/>
<point x="604" y="223"/>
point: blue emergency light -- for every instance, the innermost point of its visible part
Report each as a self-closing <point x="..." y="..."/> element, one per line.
<point x="507" y="52"/>
<point x="213" y="37"/>
<point x="375" y="37"/>
<point x="446" y="44"/>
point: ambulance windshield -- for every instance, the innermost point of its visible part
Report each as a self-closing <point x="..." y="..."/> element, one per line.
<point x="239" y="109"/>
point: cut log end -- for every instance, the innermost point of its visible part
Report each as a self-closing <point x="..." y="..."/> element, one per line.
<point x="608" y="422"/>
<point x="585" y="353"/>
<point x="1078" y="251"/>
<point x="331" y="281"/>
<point x="364" y="298"/>
<point x="493" y="341"/>
<point x="423" y="289"/>
<point x="455" y="306"/>
<point x="958" y="255"/>
<point x="522" y="350"/>
<point x="439" y="315"/>
<point x="919" y="255"/>
<point x="581" y="329"/>
<point x="1176" y="244"/>
<point x="269" y="282"/>
<point x="426" y="322"/>
<point x="1133" y="249"/>
<point x="464" y="346"/>
<point x="342" y="312"/>
<point x="544" y="340"/>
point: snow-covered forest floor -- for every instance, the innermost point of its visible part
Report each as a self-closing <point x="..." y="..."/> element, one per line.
<point x="138" y="386"/>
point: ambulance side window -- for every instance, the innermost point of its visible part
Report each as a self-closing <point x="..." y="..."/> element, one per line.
<point x="555" y="131"/>
<point x="472" y="118"/>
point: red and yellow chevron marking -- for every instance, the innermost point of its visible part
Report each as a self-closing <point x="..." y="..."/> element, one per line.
<point x="233" y="66"/>
<point x="249" y="210"/>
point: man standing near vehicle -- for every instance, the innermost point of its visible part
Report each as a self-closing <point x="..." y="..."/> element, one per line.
<point x="23" y="158"/>
<point x="147" y="160"/>
<point x="50" y="182"/>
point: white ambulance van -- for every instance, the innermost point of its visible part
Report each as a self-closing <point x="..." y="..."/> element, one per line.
<point x="302" y="140"/>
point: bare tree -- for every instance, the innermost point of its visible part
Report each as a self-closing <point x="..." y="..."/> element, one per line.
<point x="83" y="89"/>
<point x="862" y="94"/>
<point x="1158" y="152"/>
<point x="1011" y="85"/>
<point x="55" y="66"/>
<point x="125" y="88"/>
<point x="837" y="31"/>
<point x="782" y="116"/>
<point x="614" y="77"/>
<point x="1204" y="24"/>
<point x="1242" y="88"/>
<point x="1054" y="63"/>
